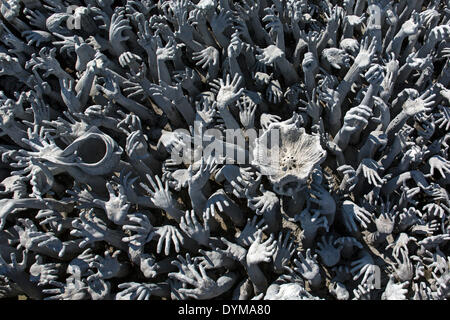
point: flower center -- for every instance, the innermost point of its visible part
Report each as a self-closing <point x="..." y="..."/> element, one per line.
<point x="288" y="163"/>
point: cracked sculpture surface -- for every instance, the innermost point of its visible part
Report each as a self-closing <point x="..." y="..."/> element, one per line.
<point x="224" y="149"/>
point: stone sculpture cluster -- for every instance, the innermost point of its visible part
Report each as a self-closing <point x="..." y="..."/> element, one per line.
<point x="93" y="205"/>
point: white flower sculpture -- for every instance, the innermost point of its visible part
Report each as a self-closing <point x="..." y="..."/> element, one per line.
<point x="287" y="155"/>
